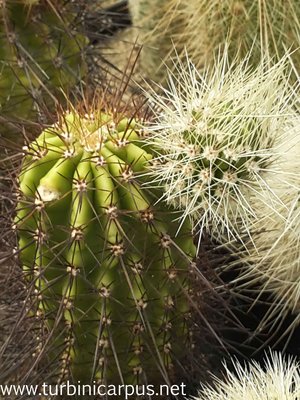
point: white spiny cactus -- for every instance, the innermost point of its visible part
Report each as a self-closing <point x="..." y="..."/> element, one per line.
<point x="273" y="256"/>
<point x="278" y="379"/>
<point x="220" y="138"/>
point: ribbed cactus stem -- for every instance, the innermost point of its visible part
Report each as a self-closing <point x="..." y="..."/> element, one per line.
<point x="40" y="52"/>
<point x="111" y="277"/>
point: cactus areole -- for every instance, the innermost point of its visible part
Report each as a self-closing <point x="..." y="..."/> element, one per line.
<point x="110" y="277"/>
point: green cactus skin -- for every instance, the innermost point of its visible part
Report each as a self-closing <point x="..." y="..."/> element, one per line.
<point x="40" y="52"/>
<point x="110" y="276"/>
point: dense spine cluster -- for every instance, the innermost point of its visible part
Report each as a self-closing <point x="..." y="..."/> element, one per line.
<point x="110" y="278"/>
<point x="218" y="137"/>
<point x="278" y="378"/>
<point x="273" y="254"/>
<point x="227" y="154"/>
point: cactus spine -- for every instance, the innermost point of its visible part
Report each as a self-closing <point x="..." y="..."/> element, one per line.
<point x="200" y="28"/>
<point x="110" y="278"/>
<point x="157" y="25"/>
<point x="227" y="155"/>
<point x="273" y="255"/>
<point x="217" y="137"/>
<point x="40" y="52"/>
<point x="278" y="379"/>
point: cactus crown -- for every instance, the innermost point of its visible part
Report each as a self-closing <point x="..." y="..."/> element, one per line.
<point x="94" y="133"/>
<point x="216" y="136"/>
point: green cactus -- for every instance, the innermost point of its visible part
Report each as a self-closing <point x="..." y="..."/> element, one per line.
<point x="40" y="52"/>
<point x="110" y="276"/>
